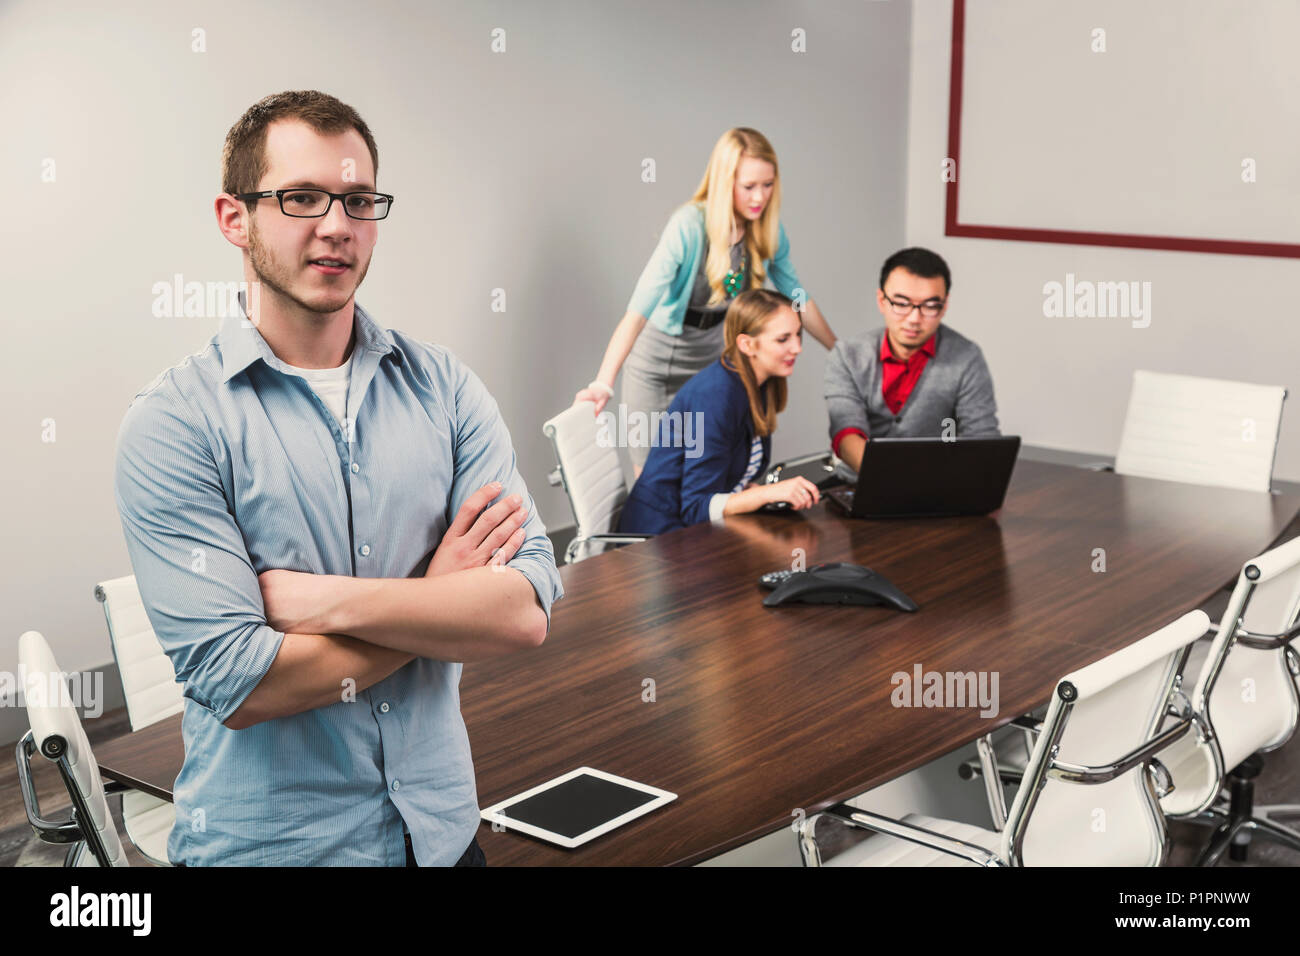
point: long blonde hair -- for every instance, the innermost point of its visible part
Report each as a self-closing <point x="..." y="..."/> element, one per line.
<point x="748" y="314"/>
<point x="716" y="193"/>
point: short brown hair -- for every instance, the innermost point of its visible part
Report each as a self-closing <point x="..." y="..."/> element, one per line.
<point x="243" y="159"/>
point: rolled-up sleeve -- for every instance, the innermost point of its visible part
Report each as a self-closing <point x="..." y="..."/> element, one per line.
<point x="192" y="569"/>
<point x="484" y="453"/>
<point x="844" y="403"/>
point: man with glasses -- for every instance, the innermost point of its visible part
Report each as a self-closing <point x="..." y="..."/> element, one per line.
<point x="324" y="518"/>
<point x="910" y="379"/>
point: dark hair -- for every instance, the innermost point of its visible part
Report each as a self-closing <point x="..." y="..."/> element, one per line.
<point x="243" y="160"/>
<point x="919" y="262"/>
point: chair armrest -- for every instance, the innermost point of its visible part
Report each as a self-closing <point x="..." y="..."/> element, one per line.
<point x="50" y="831"/>
<point x="914" y="834"/>
<point x="1073" y="773"/>
<point x="1267" y="642"/>
<point x="607" y="538"/>
<point x="974" y="767"/>
<point x="1029" y="722"/>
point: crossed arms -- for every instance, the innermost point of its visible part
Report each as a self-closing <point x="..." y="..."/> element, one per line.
<point x="251" y="648"/>
<point x="338" y="627"/>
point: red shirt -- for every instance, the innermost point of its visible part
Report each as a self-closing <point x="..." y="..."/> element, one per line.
<point x="897" y="379"/>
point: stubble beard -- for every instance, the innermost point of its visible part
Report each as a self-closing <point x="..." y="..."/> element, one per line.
<point x="273" y="274"/>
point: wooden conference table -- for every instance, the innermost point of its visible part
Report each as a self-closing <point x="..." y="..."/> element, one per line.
<point x="758" y="713"/>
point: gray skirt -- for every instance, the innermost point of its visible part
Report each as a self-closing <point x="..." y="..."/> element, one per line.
<point x="659" y="365"/>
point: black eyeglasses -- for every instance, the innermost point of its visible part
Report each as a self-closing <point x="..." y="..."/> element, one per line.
<point x="315" y="203"/>
<point x="929" y="308"/>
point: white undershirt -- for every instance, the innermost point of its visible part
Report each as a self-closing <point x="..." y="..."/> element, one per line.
<point x="331" y="385"/>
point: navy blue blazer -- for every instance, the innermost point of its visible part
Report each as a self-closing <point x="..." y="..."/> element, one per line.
<point x="678" y="482"/>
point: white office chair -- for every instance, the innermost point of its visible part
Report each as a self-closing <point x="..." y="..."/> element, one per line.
<point x="592" y="477"/>
<point x="1089" y="796"/>
<point x="1201" y="430"/>
<point x="1245" y="702"/>
<point x="152" y="693"/>
<point x="57" y="733"/>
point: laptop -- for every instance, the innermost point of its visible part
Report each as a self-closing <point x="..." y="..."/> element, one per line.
<point x="930" y="477"/>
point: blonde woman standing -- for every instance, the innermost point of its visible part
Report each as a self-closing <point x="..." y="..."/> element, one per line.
<point x="727" y="239"/>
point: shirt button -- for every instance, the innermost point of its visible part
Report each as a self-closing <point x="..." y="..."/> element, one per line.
<point x="355" y="468"/>
<point x="397" y="785"/>
<point x="383" y="708"/>
<point x="365" y="550"/>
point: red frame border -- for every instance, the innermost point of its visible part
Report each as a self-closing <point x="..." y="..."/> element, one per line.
<point x="954" y="228"/>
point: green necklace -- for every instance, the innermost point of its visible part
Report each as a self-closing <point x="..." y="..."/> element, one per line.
<point x="735" y="281"/>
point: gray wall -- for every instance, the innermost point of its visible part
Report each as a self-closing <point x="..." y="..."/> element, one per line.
<point x="518" y="170"/>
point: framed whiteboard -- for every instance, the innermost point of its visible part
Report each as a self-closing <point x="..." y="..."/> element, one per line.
<point x="1155" y="124"/>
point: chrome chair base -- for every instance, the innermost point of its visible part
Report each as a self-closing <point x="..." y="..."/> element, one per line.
<point x="1236" y="819"/>
<point x="1233" y="832"/>
<point x="1233" y="837"/>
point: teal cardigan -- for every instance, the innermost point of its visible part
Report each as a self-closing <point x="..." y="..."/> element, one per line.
<point x="664" y="289"/>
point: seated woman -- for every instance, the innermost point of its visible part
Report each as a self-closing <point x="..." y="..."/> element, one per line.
<point x="715" y="439"/>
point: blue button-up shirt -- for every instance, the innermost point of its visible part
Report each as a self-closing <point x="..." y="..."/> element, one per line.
<point x="229" y="465"/>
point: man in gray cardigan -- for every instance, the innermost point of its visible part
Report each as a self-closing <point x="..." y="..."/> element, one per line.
<point x="912" y="378"/>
